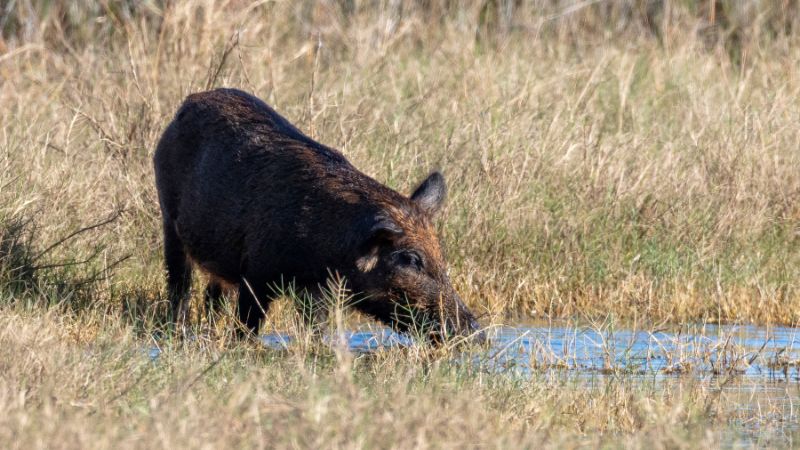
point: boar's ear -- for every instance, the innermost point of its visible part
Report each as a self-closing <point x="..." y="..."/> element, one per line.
<point x="431" y="193"/>
<point x="384" y="230"/>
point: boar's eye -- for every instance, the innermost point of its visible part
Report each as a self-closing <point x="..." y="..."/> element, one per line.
<point x="409" y="259"/>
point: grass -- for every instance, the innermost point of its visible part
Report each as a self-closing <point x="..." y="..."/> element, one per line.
<point x="633" y="176"/>
<point x="606" y="163"/>
<point x="89" y="382"/>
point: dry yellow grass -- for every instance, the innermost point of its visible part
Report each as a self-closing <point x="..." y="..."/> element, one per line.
<point x="640" y="175"/>
<point x="603" y="162"/>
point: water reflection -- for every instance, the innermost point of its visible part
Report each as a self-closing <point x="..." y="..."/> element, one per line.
<point x="745" y="351"/>
<point x="717" y="350"/>
<point x="360" y="341"/>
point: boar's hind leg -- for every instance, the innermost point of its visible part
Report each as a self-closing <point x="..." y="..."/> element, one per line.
<point x="179" y="274"/>
<point x="253" y="305"/>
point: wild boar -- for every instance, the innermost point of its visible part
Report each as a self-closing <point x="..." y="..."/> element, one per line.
<point x="255" y="203"/>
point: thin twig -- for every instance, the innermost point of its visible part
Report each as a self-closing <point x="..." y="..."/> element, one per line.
<point x="69" y="263"/>
<point x="114" y="217"/>
<point x="233" y="43"/>
<point x="104" y="271"/>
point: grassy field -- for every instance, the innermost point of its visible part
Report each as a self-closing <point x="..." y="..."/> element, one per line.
<point x="605" y="160"/>
<point x="88" y="382"/>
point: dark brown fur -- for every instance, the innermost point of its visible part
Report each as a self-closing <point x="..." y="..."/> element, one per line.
<point x="257" y="204"/>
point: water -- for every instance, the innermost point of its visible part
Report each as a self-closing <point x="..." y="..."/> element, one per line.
<point x="756" y="368"/>
<point x="363" y="341"/>
<point x="747" y="352"/>
<point x="742" y="351"/>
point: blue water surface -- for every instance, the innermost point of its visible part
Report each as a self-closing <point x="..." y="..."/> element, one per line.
<point x="741" y="350"/>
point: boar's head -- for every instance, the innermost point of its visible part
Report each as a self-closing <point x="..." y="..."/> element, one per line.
<point x="402" y="272"/>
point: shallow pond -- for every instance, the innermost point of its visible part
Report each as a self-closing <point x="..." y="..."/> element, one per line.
<point x="756" y="369"/>
<point x="745" y="351"/>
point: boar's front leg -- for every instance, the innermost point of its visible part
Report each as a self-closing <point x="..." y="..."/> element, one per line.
<point x="253" y="305"/>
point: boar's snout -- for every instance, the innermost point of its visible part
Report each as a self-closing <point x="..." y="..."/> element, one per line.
<point x="478" y="336"/>
<point x="460" y="323"/>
